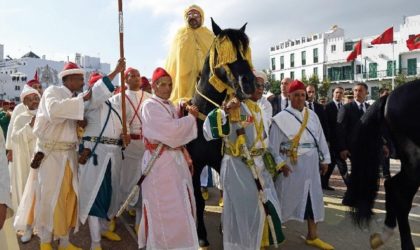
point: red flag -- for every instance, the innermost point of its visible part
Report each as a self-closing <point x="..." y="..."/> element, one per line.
<point x="36" y="75"/>
<point x="356" y="51"/>
<point x="413" y="42"/>
<point x="386" y="37"/>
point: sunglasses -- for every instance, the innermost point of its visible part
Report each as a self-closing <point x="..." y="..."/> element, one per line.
<point x="193" y="14"/>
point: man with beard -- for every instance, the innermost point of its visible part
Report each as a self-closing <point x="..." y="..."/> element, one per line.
<point x="187" y="54"/>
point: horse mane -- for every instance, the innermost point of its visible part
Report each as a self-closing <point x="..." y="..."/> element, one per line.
<point x="238" y="38"/>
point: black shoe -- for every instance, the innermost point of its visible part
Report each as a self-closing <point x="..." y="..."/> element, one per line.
<point x="328" y="188"/>
<point x="203" y="243"/>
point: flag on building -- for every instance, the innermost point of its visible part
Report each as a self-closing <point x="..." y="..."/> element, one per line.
<point x="36" y="75"/>
<point x="413" y="42"/>
<point x="384" y="38"/>
<point x="356" y="51"/>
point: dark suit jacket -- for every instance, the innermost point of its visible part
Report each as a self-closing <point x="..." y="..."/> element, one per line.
<point x="275" y="103"/>
<point x="347" y="118"/>
<point x="331" y="112"/>
<point x="320" y="111"/>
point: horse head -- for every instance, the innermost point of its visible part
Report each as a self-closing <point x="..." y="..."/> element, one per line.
<point x="230" y="62"/>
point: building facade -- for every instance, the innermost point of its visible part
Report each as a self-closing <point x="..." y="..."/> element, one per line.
<point x="14" y="73"/>
<point x="377" y="65"/>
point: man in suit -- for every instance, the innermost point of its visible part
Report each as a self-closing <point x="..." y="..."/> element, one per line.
<point x="280" y="102"/>
<point x="347" y="118"/>
<point x="331" y="110"/>
<point x="317" y="108"/>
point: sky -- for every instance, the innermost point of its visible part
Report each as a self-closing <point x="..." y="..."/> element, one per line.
<point x="59" y="29"/>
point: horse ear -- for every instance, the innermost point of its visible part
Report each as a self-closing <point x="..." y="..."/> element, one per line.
<point x="243" y="28"/>
<point x="215" y="27"/>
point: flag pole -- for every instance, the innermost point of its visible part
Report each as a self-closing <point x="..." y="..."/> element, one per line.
<point x="122" y="83"/>
<point x="393" y="65"/>
<point x="361" y="59"/>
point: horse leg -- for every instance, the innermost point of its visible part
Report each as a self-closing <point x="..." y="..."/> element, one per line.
<point x="378" y="239"/>
<point x="399" y="196"/>
<point x="408" y="190"/>
<point x="200" y="204"/>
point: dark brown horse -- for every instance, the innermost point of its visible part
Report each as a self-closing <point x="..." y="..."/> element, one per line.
<point x="397" y="115"/>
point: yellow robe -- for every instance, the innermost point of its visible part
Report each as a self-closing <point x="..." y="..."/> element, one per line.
<point x="186" y="58"/>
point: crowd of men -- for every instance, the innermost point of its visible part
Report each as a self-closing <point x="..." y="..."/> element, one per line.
<point x="71" y="162"/>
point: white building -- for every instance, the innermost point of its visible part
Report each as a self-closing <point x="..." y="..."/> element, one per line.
<point x="373" y="67"/>
<point x="14" y="73"/>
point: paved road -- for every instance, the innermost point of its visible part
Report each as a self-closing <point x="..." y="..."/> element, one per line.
<point x="336" y="229"/>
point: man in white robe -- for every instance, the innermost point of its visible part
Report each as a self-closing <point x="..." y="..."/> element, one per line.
<point x="23" y="140"/>
<point x="131" y="166"/>
<point x="168" y="220"/>
<point x="55" y="127"/>
<point x="263" y="103"/>
<point x="8" y="238"/>
<point x="99" y="172"/>
<point x="17" y="185"/>
<point x="251" y="213"/>
<point x="297" y="136"/>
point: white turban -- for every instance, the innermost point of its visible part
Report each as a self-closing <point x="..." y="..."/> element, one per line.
<point x="262" y="75"/>
<point x="27" y="90"/>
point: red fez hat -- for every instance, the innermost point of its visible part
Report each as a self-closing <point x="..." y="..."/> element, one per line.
<point x="70" y="68"/>
<point x="127" y="71"/>
<point x="144" y="82"/>
<point x="32" y="82"/>
<point x="296" y="85"/>
<point x="94" y="77"/>
<point x="159" y="73"/>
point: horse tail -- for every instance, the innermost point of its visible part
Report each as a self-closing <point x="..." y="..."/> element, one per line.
<point x="365" y="160"/>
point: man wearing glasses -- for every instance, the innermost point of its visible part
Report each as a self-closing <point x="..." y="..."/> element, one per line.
<point x="187" y="54"/>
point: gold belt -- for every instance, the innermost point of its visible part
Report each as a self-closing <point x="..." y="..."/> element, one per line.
<point x="253" y="152"/>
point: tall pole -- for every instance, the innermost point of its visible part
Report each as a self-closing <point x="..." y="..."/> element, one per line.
<point x="361" y="60"/>
<point x="122" y="83"/>
<point x="393" y="66"/>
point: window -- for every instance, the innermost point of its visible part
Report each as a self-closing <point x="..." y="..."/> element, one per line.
<point x="292" y="60"/>
<point x="17" y="88"/>
<point x="273" y="77"/>
<point x="315" y="37"/>
<point x="292" y="43"/>
<point x="333" y="48"/>
<point x="277" y="47"/>
<point x="412" y="66"/>
<point x="303" y="57"/>
<point x="281" y="76"/>
<point x="315" y="71"/>
<point x="358" y="69"/>
<point x="348" y="46"/>
<point x="303" y="74"/>
<point x="287" y="44"/>
<point x="281" y="45"/>
<point x="281" y="62"/>
<point x="390" y="67"/>
<point x="315" y="55"/>
<point x="347" y="73"/>
<point x="303" y="39"/>
<point x="273" y="63"/>
<point x="297" y="42"/>
<point x="308" y="39"/>
<point x="373" y="70"/>
<point x="335" y="73"/>
<point x="292" y="75"/>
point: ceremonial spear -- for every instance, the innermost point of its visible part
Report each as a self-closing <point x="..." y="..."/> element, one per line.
<point x="122" y="84"/>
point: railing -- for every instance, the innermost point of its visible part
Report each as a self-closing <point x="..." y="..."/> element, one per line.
<point x="374" y="75"/>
